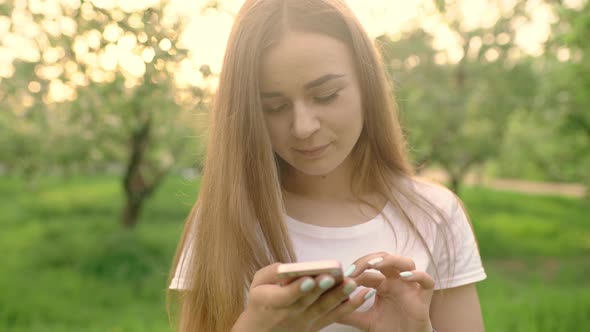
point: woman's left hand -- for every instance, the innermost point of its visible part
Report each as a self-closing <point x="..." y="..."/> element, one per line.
<point x="402" y="304"/>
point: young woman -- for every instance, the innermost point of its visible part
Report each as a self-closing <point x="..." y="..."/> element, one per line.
<point x="307" y="161"/>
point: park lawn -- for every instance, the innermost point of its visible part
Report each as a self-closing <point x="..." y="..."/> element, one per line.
<point x="68" y="266"/>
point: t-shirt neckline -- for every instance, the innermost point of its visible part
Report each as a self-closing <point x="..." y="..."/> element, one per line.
<point x="325" y="232"/>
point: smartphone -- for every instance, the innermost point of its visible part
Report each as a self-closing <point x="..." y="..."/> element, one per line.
<point x="291" y="271"/>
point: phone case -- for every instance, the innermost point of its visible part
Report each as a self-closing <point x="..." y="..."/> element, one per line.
<point x="312" y="268"/>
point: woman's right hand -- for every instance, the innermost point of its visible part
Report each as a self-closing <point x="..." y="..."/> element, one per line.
<point x="302" y="305"/>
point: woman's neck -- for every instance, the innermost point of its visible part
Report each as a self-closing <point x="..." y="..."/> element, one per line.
<point x="333" y="186"/>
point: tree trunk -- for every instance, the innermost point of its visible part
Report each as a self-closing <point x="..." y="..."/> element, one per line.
<point x="131" y="212"/>
<point x="134" y="184"/>
<point x="455" y="183"/>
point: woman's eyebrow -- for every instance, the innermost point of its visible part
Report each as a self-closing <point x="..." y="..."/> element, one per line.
<point x="321" y="80"/>
<point x="308" y="85"/>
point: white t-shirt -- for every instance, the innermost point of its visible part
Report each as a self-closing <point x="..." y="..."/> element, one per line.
<point x="347" y="244"/>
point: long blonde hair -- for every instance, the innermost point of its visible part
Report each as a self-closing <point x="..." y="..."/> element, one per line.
<point x="236" y="226"/>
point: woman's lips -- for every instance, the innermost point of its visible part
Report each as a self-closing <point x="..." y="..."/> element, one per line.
<point x="313" y="152"/>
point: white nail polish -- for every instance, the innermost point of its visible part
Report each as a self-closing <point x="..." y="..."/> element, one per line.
<point x="350" y="270"/>
<point x="406" y="274"/>
<point x="370" y="294"/>
<point x="374" y="261"/>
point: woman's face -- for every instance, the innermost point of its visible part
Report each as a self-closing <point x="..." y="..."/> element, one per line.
<point x="312" y="101"/>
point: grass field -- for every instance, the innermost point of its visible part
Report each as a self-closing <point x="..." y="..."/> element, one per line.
<point x="68" y="266"/>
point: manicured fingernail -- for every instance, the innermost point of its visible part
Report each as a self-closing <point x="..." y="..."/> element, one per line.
<point x="350" y="270"/>
<point x="326" y="283"/>
<point x="349" y="288"/>
<point x="370" y="294"/>
<point x="374" y="261"/>
<point x="406" y="274"/>
<point x="307" y="285"/>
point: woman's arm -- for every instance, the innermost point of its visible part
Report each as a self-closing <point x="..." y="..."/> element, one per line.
<point x="458" y="310"/>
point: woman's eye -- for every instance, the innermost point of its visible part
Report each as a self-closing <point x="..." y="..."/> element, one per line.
<point x="276" y="109"/>
<point x="327" y="98"/>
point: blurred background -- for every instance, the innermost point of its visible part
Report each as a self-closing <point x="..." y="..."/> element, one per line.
<point x="103" y="117"/>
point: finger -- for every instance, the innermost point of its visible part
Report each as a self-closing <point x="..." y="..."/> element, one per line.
<point x="266" y="275"/>
<point x="328" y="301"/>
<point x="265" y="289"/>
<point x="344" y="309"/>
<point x="390" y="265"/>
<point x="370" y="279"/>
<point x="361" y="264"/>
<point x="286" y="281"/>
<point x="360" y="320"/>
<point x="324" y="283"/>
<point x="282" y="296"/>
<point x="421" y="277"/>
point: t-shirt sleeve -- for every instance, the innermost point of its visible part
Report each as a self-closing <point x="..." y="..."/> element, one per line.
<point x="180" y="281"/>
<point x="461" y="242"/>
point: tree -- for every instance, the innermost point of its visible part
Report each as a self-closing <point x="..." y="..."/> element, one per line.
<point x="147" y="118"/>
<point x="568" y="54"/>
<point x="457" y="111"/>
<point x="120" y="100"/>
<point x="23" y="123"/>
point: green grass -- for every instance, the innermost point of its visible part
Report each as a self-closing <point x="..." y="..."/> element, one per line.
<point x="68" y="266"/>
<point x="509" y="224"/>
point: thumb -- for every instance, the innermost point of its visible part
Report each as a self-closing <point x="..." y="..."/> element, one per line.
<point x="360" y="320"/>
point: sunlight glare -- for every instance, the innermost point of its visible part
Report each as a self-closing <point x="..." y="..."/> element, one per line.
<point x="127" y="42"/>
<point x="492" y="54"/>
<point x="142" y="37"/>
<point x="108" y="58"/>
<point x="112" y="32"/>
<point x="36" y="6"/>
<point x="93" y="38"/>
<point x="133" y="64"/>
<point x="165" y="44"/>
<point x="53" y="54"/>
<point x="563" y="54"/>
<point x="51" y="26"/>
<point x="34" y="86"/>
<point x="148" y="54"/>
<point x="60" y="91"/>
<point x="80" y="45"/>
<point x="4" y="24"/>
<point x="50" y="72"/>
<point x="51" y="9"/>
<point x="135" y="21"/>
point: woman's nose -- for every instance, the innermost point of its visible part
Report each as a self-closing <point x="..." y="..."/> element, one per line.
<point x="305" y="121"/>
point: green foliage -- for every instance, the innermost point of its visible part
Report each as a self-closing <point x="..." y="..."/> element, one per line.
<point x="537" y="148"/>
<point x="571" y="81"/>
<point x="24" y="141"/>
<point x="68" y="267"/>
<point x="92" y="130"/>
<point x="527" y="116"/>
<point x="551" y="140"/>
<point x="457" y="113"/>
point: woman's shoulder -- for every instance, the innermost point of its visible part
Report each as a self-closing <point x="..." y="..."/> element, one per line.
<point x="435" y="193"/>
